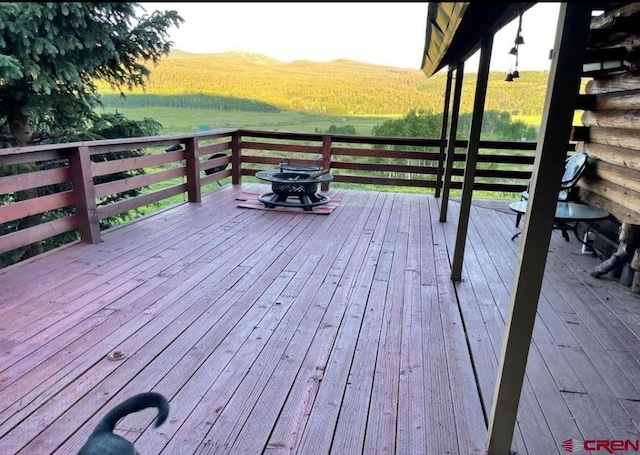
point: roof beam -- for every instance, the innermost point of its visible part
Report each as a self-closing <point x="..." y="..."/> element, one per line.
<point x="455" y="29"/>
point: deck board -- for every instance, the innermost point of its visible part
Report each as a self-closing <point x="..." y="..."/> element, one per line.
<point x="276" y="333"/>
<point x="411" y="423"/>
<point x="545" y="364"/>
<point x="574" y="335"/>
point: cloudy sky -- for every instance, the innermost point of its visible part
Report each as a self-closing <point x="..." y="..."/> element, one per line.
<point x="390" y="34"/>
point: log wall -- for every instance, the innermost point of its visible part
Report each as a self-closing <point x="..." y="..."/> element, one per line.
<point x="613" y="147"/>
<point x="612" y="178"/>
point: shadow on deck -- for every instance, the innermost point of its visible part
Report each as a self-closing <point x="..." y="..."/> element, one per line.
<point x="274" y="332"/>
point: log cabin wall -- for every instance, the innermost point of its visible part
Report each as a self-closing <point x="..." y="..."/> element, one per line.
<point x="611" y="116"/>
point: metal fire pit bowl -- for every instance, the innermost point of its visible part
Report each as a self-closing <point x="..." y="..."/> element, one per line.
<point x="293" y="184"/>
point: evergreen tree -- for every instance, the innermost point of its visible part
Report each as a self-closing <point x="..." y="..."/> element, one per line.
<point x="51" y="56"/>
<point x="414" y="124"/>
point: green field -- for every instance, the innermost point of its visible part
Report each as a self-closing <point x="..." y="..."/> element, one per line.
<point x="176" y="120"/>
<point x="535" y="120"/>
<point x="182" y="120"/>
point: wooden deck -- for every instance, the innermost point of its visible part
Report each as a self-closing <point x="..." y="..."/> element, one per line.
<point x="274" y="332"/>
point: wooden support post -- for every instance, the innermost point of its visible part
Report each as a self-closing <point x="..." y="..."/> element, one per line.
<point x="617" y="260"/>
<point x="635" y="265"/>
<point x="84" y="194"/>
<point x="472" y="156"/>
<point x="443" y="132"/>
<point x="451" y="145"/>
<point x="628" y="243"/>
<point x="192" y="158"/>
<point x="326" y="159"/>
<point x="562" y="91"/>
<point x="236" y="158"/>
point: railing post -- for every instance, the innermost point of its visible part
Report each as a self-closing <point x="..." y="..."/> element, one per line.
<point x="192" y="158"/>
<point x="236" y="158"/>
<point x="84" y="195"/>
<point x="326" y="159"/>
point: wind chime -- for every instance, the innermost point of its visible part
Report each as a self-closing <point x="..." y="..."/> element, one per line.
<point x="514" y="73"/>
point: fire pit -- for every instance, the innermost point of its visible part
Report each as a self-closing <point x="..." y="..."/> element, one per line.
<point x="301" y="185"/>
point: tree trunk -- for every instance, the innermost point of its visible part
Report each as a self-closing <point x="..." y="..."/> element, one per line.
<point x="20" y="127"/>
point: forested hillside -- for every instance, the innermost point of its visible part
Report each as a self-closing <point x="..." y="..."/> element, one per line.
<point x="340" y="87"/>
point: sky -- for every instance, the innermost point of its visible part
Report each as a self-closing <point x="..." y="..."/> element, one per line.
<point x="389" y="34"/>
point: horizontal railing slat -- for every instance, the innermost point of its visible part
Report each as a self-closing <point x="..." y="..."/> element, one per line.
<point x="119" y="186"/>
<point x="30" y="180"/>
<point x="379" y="153"/>
<point x="37" y="233"/>
<point x="31" y="157"/>
<point x="382" y="167"/>
<point x="282" y="147"/>
<point x="214" y="148"/>
<point x="215" y="177"/>
<point x="34" y="206"/>
<point x="116" y="208"/>
<point x="383" y="181"/>
<point x="126" y="164"/>
<point x="215" y="162"/>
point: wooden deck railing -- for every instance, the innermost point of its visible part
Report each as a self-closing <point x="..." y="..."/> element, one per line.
<point x="403" y="162"/>
<point x="81" y="174"/>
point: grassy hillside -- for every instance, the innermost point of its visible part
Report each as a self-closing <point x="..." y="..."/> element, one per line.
<point x="340" y="87"/>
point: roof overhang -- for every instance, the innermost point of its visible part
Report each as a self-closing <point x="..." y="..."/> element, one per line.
<point x="455" y="30"/>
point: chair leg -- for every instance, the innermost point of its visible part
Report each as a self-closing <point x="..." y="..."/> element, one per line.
<point x="518" y="217"/>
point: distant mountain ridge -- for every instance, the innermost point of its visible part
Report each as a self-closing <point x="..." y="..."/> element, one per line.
<point x="342" y="87"/>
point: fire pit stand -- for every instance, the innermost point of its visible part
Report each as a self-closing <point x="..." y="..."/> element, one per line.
<point x="300" y="185"/>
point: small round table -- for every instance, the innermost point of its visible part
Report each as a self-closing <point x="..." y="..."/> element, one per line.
<point x="567" y="217"/>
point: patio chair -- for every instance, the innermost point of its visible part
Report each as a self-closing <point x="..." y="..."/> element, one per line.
<point x="574" y="166"/>
<point x="220" y="168"/>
